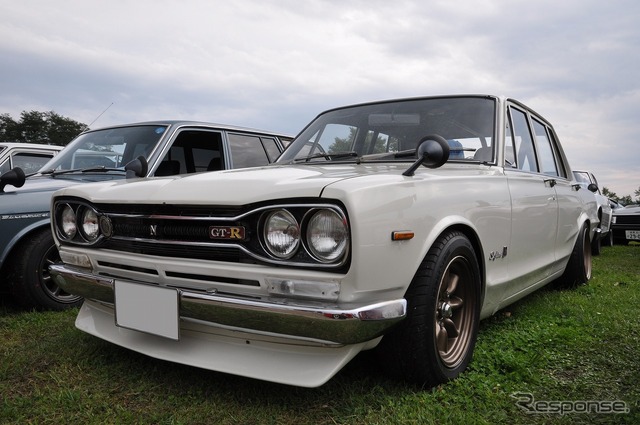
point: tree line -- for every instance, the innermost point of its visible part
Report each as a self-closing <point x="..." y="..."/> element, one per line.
<point x="46" y="128"/>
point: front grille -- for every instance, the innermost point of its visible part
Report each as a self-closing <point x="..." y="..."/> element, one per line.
<point x="628" y="219"/>
<point x="159" y="249"/>
<point x="214" y="233"/>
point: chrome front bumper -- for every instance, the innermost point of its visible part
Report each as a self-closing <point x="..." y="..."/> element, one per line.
<point x="336" y="324"/>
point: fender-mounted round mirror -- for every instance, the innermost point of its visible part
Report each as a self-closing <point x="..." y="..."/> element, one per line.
<point x="14" y="177"/>
<point x="432" y="152"/>
<point x="137" y="167"/>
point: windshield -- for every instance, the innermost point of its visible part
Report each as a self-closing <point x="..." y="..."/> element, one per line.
<point x="109" y="148"/>
<point x="385" y="130"/>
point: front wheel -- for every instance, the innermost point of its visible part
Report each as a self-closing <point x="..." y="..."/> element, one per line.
<point x="435" y="342"/>
<point x="30" y="280"/>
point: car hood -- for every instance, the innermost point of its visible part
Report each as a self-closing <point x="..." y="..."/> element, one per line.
<point x="33" y="196"/>
<point x="230" y="187"/>
<point x="40" y="184"/>
<point x="627" y="211"/>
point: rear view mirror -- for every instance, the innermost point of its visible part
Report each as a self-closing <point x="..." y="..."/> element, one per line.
<point x="432" y="152"/>
<point x="14" y="177"/>
<point x="137" y="168"/>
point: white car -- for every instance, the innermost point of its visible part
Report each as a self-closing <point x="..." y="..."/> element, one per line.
<point x="603" y="233"/>
<point x="395" y="224"/>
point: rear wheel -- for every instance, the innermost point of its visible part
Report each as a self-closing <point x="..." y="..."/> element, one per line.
<point x="608" y="240"/>
<point x="30" y="280"/>
<point x="578" y="269"/>
<point x="596" y="245"/>
<point x="435" y="342"/>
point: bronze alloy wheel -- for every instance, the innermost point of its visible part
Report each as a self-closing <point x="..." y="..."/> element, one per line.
<point x="454" y="316"/>
<point x="435" y="342"/>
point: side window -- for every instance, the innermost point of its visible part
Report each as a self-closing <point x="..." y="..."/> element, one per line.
<point x="271" y="146"/>
<point x="30" y="162"/>
<point x="562" y="168"/>
<point x="545" y="149"/>
<point x="337" y="138"/>
<point x="5" y="166"/>
<point x="247" y="151"/>
<point x="376" y="142"/>
<point x="526" y="157"/>
<point x="193" y="151"/>
<point x="509" y="147"/>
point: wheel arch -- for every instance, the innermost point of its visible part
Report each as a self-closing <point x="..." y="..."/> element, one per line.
<point x="471" y="234"/>
<point x="9" y="248"/>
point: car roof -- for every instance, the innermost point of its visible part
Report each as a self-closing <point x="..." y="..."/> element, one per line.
<point x="202" y="124"/>
<point x="30" y="145"/>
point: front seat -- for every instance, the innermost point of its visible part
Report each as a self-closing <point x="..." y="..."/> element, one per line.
<point x="215" y="164"/>
<point x="483" y="154"/>
<point x="168" y="167"/>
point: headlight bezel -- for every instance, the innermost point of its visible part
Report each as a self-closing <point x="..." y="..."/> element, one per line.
<point x="305" y="253"/>
<point x="68" y="222"/>
<point x="292" y="231"/>
<point x="310" y="224"/>
<point x="86" y="223"/>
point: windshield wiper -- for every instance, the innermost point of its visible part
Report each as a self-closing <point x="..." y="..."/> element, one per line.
<point x="405" y="154"/>
<point x="100" y="169"/>
<point x="327" y="156"/>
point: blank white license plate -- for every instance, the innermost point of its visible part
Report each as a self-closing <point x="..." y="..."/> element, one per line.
<point x="633" y="234"/>
<point x="145" y="308"/>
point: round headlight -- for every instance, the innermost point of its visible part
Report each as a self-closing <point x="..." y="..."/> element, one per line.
<point x="327" y="235"/>
<point x="281" y="234"/>
<point x="68" y="222"/>
<point x="90" y="225"/>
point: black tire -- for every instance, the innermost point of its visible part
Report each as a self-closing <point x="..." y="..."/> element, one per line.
<point x="578" y="269"/>
<point x="436" y="340"/>
<point x="29" y="278"/>
<point x="596" y="245"/>
<point x="608" y="240"/>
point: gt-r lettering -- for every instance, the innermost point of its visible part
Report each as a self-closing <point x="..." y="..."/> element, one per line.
<point x="220" y="232"/>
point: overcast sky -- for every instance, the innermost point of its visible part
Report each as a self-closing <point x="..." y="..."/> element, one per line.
<point x="276" y="64"/>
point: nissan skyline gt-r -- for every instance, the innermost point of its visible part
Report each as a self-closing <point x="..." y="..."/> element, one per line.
<point x="396" y="225"/>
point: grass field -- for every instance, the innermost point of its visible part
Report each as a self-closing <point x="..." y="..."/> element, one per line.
<point x="553" y="351"/>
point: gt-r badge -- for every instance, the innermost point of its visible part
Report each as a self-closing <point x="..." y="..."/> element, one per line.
<point x="226" y="232"/>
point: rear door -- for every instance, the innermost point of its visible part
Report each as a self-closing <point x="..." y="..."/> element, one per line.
<point x="533" y="189"/>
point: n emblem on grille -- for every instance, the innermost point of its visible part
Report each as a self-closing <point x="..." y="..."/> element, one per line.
<point x="153" y="230"/>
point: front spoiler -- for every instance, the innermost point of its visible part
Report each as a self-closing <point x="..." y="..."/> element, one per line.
<point x="224" y="350"/>
<point x="331" y="324"/>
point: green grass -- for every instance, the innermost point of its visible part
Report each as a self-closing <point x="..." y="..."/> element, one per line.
<point x="581" y="344"/>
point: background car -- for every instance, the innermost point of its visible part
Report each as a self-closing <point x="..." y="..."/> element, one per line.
<point x="625" y="225"/>
<point x="30" y="157"/>
<point x="366" y="233"/>
<point x="588" y="181"/>
<point x="168" y="147"/>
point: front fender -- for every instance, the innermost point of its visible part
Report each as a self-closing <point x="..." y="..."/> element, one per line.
<point x="13" y="229"/>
